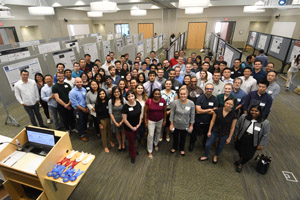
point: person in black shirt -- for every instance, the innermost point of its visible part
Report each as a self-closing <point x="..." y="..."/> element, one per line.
<point x="132" y="117"/>
<point x="89" y="64"/>
<point x="236" y="70"/>
<point x="221" y="126"/>
<point x="103" y="119"/>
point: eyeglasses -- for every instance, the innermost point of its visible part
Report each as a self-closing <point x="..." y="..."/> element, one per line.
<point x="211" y="89"/>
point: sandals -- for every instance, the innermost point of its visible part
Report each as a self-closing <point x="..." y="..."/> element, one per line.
<point x="202" y="160"/>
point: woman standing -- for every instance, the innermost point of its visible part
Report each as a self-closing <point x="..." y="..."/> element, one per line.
<point x="141" y="97"/>
<point x="103" y="119"/>
<point x="99" y="79"/>
<point x="169" y="96"/>
<point x="124" y="70"/>
<point x="182" y="118"/>
<point x="39" y="79"/>
<point x="203" y="80"/>
<point x="85" y="81"/>
<point x="141" y="78"/>
<point x="115" y="105"/>
<point x="102" y="72"/>
<point x="252" y="133"/>
<point x="221" y="126"/>
<point x="127" y="79"/>
<point x="292" y="72"/>
<point x="155" y="118"/>
<point x="132" y="118"/>
<point x="187" y="80"/>
<point x="91" y="98"/>
<point x="122" y="88"/>
<point x="228" y="87"/>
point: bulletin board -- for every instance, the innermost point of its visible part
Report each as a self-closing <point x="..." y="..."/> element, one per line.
<point x="279" y="47"/>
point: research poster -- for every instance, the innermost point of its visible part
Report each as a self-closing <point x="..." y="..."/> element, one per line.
<point x="181" y="41"/>
<point x="48" y="47"/>
<point x="72" y="43"/>
<point x="119" y="45"/>
<point x="176" y="45"/>
<point x="91" y="48"/>
<point x="155" y="44"/>
<point x="129" y="40"/>
<point x="215" y="45"/>
<point x="160" y="41"/>
<point x="276" y="44"/>
<point x="110" y="37"/>
<point x="12" y="71"/>
<point x="252" y="38"/>
<point x="106" y="48"/>
<point x="228" y="55"/>
<point x="171" y="52"/>
<point x="140" y="48"/>
<point x="99" y="38"/>
<point x="14" y="54"/>
<point x="148" y="45"/>
<point x="221" y="47"/>
<point x="262" y="41"/>
<point x="295" y="51"/>
<point x="118" y="35"/>
<point x="136" y="39"/>
<point x="67" y="57"/>
<point x="29" y="43"/>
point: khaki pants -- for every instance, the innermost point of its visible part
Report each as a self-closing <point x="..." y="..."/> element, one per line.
<point x="106" y="131"/>
<point x="290" y="78"/>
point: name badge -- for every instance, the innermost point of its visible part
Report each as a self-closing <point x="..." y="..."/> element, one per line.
<point x="197" y="95"/>
<point x="187" y="108"/>
<point x="238" y="100"/>
<point x="88" y="88"/>
<point x="161" y="104"/>
<point x="262" y="104"/>
<point x="122" y="76"/>
<point x="256" y="128"/>
<point x="176" y="88"/>
<point x="232" y="72"/>
<point x="211" y="103"/>
<point x="83" y="93"/>
<point x="219" y="92"/>
<point x="66" y="86"/>
<point x="130" y="109"/>
<point x="270" y="92"/>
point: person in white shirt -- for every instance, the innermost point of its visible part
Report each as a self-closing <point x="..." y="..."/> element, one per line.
<point x="27" y="94"/>
<point x="217" y="83"/>
<point x="68" y="78"/>
<point x="292" y="72"/>
<point x="205" y="67"/>
<point x="226" y="76"/>
<point x="107" y="64"/>
<point x="249" y="83"/>
<point x="188" y="71"/>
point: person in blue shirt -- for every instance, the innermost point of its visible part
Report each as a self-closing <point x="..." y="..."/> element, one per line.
<point x="178" y="77"/>
<point x="238" y="93"/>
<point x="60" y="67"/>
<point x="115" y="78"/>
<point x="76" y="72"/>
<point x="180" y="64"/>
<point x="262" y="57"/>
<point x="77" y="98"/>
<point x="259" y="97"/>
<point x="257" y="72"/>
<point x="249" y="62"/>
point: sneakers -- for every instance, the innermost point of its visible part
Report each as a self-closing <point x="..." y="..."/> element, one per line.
<point x="132" y="160"/>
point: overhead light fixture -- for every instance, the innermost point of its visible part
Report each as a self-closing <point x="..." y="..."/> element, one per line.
<point x="104" y="6"/>
<point x="253" y="9"/>
<point x="41" y="10"/>
<point x="79" y="3"/>
<point x="194" y="10"/>
<point x="56" y="4"/>
<point x="94" y="14"/>
<point x="193" y="3"/>
<point x="5" y="12"/>
<point x="259" y="3"/>
<point x="282" y="2"/>
<point x="138" y="12"/>
<point x="154" y="7"/>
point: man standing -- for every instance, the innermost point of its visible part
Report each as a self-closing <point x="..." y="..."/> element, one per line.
<point x="118" y="67"/>
<point x="273" y="88"/>
<point x="160" y="76"/>
<point x="262" y="57"/>
<point x="46" y="95"/>
<point x="151" y="84"/>
<point x="167" y="68"/>
<point x="115" y="78"/>
<point x="236" y="71"/>
<point x="174" y="61"/>
<point x="178" y="77"/>
<point x="83" y="67"/>
<point x="144" y="70"/>
<point x="78" y="102"/>
<point x="237" y="92"/>
<point x="269" y="67"/>
<point x="257" y="72"/>
<point x="88" y="62"/>
<point x="153" y="57"/>
<point x="27" y="94"/>
<point x="61" y="94"/>
<point x="175" y="84"/>
<point x="180" y="64"/>
<point x="259" y="97"/>
<point x="205" y="67"/>
<point x="68" y="78"/>
<point x="112" y="57"/>
<point x="188" y="71"/>
<point x="127" y="59"/>
<point x="226" y="76"/>
<point x="106" y="65"/>
<point x="76" y="72"/>
<point x="60" y="67"/>
<point x="217" y="83"/>
<point x="249" y="62"/>
<point x="194" y="90"/>
<point x="206" y="104"/>
<point x="249" y="83"/>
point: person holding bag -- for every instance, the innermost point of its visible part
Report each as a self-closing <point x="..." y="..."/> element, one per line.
<point x="251" y="133"/>
<point x="155" y="118"/>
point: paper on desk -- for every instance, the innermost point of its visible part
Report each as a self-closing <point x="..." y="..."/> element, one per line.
<point x="5" y="141"/>
<point x="13" y="158"/>
<point x="29" y="163"/>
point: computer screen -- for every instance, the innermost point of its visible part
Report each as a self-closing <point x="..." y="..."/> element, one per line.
<point x="40" y="136"/>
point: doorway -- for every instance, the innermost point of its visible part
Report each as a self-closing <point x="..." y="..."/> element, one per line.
<point x="196" y="35"/>
<point x="225" y="30"/>
<point x="147" y="29"/>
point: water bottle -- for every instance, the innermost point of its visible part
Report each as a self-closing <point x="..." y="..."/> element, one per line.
<point x="19" y="145"/>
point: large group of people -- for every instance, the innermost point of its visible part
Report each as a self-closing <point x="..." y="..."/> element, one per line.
<point x="152" y="101"/>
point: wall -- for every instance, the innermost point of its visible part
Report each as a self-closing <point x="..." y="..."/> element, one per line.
<point x="31" y="33"/>
<point x="259" y="26"/>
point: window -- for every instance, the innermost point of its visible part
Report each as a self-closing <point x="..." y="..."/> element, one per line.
<point x="8" y="35"/>
<point x="122" y="28"/>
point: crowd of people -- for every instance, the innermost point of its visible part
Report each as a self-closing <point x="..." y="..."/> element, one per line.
<point x="152" y="100"/>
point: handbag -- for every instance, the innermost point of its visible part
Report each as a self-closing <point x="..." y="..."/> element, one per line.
<point x="263" y="163"/>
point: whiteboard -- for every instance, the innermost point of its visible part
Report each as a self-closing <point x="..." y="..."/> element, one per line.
<point x="48" y="47"/>
<point x="285" y="29"/>
<point x="78" y="29"/>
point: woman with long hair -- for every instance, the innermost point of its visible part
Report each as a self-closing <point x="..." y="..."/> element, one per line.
<point x="251" y="133"/>
<point x="104" y="119"/>
<point x="124" y="70"/>
<point x="102" y="72"/>
<point x="292" y="72"/>
<point x="91" y="98"/>
<point x="39" y="79"/>
<point x="141" y="78"/>
<point x="141" y="97"/>
<point x="122" y="88"/>
<point x="99" y="79"/>
<point x="203" y="79"/>
<point x="187" y="80"/>
<point x="115" y="105"/>
<point x="128" y="78"/>
<point x="85" y="81"/>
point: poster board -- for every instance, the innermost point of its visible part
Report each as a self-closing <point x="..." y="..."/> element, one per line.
<point x="293" y="51"/>
<point x="181" y="46"/>
<point x="110" y="37"/>
<point x="171" y="52"/>
<point x="72" y="43"/>
<point x="29" y="43"/>
<point x="160" y="41"/>
<point x="279" y="47"/>
<point x="106" y="48"/>
<point x="12" y="71"/>
<point x="252" y="38"/>
<point x="91" y="48"/>
<point x="118" y="35"/>
<point x="129" y="40"/>
<point x="14" y="54"/>
<point x="155" y="44"/>
<point x="211" y="41"/>
<point x="119" y="44"/>
<point x="263" y="41"/>
<point x="221" y="47"/>
<point x="140" y="48"/>
<point x="135" y="39"/>
<point x="48" y="47"/>
<point x="176" y="45"/>
<point x="65" y="56"/>
<point x="215" y="46"/>
<point x="230" y="54"/>
<point x="148" y="45"/>
<point x="99" y="38"/>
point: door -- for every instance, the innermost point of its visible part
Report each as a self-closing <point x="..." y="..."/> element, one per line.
<point x="226" y="30"/>
<point x="147" y="29"/>
<point x="196" y="35"/>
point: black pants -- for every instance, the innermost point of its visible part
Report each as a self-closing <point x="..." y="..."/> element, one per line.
<point x="179" y="136"/>
<point x="200" y="129"/>
<point x="96" y="124"/>
<point x="67" y="117"/>
<point x="33" y="111"/>
<point x="45" y="107"/>
<point x="81" y="121"/>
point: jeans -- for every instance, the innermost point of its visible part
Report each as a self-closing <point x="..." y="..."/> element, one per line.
<point x="34" y="110"/>
<point x="154" y="130"/>
<point x="81" y="121"/>
<point x="212" y="139"/>
<point x="131" y="142"/>
<point x="54" y="115"/>
<point x="46" y="108"/>
<point x="200" y="129"/>
<point x="67" y="117"/>
<point x="290" y="78"/>
<point x="179" y="135"/>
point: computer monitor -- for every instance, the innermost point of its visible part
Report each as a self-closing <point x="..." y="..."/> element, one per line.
<point x="40" y="138"/>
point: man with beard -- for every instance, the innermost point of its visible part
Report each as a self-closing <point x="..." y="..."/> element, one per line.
<point x="68" y="78"/>
<point x="167" y="68"/>
<point x="174" y="61"/>
<point x="107" y="64"/>
<point x="83" y="67"/>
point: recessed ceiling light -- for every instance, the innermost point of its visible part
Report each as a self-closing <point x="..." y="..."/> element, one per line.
<point x="56" y="4"/>
<point x="154" y="7"/>
<point x="79" y="3"/>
